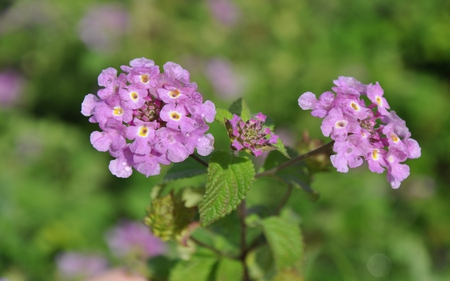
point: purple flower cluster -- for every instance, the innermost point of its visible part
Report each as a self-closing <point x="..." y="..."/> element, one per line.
<point x="250" y="136"/>
<point x="130" y="238"/>
<point x="371" y="133"/>
<point x="78" y="266"/>
<point x="11" y="88"/>
<point x="148" y="118"/>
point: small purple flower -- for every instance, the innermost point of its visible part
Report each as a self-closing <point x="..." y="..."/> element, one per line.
<point x="226" y="83"/>
<point x="397" y="172"/>
<point x="338" y="125"/>
<point x="148" y="118"/>
<point x="110" y="139"/>
<point x="224" y="11"/>
<point x="347" y="155"/>
<point x="122" y="166"/>
<point x="73" y="265"/>
<point x="11" y="87"/>
<point x="134" y="239"/>
<point x="319" y="107"/>
<point x="133" y="98"/>
<point x="344" y="82"/>
<point x="375" y="94"/>
<point x="171" y="144"/>
<point x="251" y="136"/>
<point x="371" y="133"/>
<point x="103" y="27"/>
<point x="376" y="160"/>
<point x="176" y="117"/>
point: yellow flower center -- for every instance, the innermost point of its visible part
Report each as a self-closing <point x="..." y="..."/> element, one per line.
<point x="174" y="94"/>
<point x="341" y="124"/>
<point x="175" y="115"/>
<point x="134" y="96"/>
<point x="355" y="106"/>
<point x="395" y="138"/>
<point x="144" y="78"/>
<point x="117" y="111"/>
<point x="375" y="154"/>
<point x="143" y="131"/>
<point x="379" y="101"/>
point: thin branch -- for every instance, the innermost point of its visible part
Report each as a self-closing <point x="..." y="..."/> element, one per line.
<point x="242" y="212"/>
<point x="260" y="239"/>
<point x="295" y="160"/>
<point x="283" y="200"/>
<point x="201" y="244"/>
<point x="199" y="160"/>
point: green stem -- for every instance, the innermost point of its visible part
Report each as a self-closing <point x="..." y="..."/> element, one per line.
<point x="284" y="200"/>
<point x="199" y="160"/>
<point x="201" y="244"/>
<point x="291" y="162"/>
<point x="242" y="212"/>
<point x="261" y="239"/>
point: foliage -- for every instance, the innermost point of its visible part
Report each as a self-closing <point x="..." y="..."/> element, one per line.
<point x="56" y="193"/>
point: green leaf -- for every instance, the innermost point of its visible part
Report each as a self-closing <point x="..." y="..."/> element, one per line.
<point x="186" y="169"/>
<point x="196" y="269"/>
<point x="281" y="148"/>
<point x="236" y="107"/>
<point x="296" y="175"/>
<point x="222" y="114"/>
<point x="260" y="263"/>
<point x="288" y="275"/>
<point x="229" y="179"/>
<point x="229" y="270"/>
<point x="220" y="241"/>
<point x="240" y="108"/>
<point x="245" y="112"/>
<point x="285" y="240"/>
<point x="168" y="216"/>
<point x="160" y="267"/>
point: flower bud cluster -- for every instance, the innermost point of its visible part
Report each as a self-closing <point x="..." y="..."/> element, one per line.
<point x="148" y="118"/>
<point x="250" y="136"/>
<point x="371" y="133"/>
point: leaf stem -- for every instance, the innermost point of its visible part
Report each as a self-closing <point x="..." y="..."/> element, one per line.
<point x="242" y="212"/>
<point x="201" y="244"/>
<point x="260" y="239"/>
<point x="199" y="160"/>
<point x="299" y="158"/>
<point x="284" y="200"/>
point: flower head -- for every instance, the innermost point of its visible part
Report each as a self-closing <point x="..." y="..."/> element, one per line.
<point x="148" y="118"/>
<point x="78" y="266"/>
<point x="371" y="133"/>
<point x="224" y="11"/>
<point x="103" y="27"/>
<point x="251" y="136"/>
<point x="135" y="239"/>
<point x="11" y="88"/>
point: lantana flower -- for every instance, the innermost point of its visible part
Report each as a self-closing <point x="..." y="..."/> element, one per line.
<point x="130" y="238"/>
<point x="251" y="136"/>
<point x="79" y="266"/>
<point x="148" y="118"/>
<point x="363" y="133"/>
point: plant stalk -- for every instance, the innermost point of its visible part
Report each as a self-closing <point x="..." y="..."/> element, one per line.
<point x="242" y="212"/>
<point x="199" y="160"/>
<point x="299" y="158"/>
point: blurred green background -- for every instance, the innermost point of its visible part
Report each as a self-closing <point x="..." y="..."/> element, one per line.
<point x="57" y="194"/>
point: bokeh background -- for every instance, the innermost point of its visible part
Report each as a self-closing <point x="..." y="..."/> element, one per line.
<point x="57" y="195"/>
